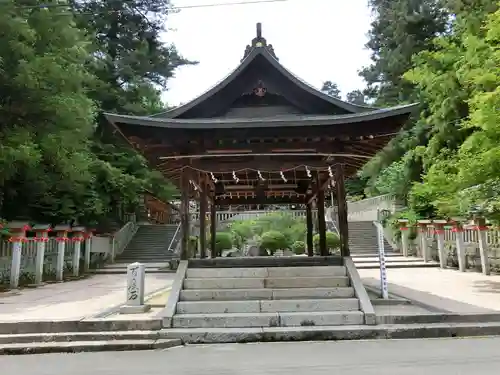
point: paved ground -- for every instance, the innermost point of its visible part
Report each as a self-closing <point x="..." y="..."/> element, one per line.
<point x="73" y="300"/>
<point x="460" y="292"/>
<point x="396" y="357"/>
<point x="444" y="289"/>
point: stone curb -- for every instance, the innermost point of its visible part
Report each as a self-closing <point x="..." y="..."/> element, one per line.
<point x="407" y="331"/>
<point x="86" y="325"/>
<point x="86" y="346"/>
<point x="80" y="336"/>
<point x="431" y="318"/>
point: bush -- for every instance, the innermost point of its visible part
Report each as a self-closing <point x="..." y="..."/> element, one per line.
<point x="193" y="246"/>
<point x="272" y="241"/>
<point x="223" y="241"/>
<point x="299" y="247"/>
<point x="332" y="242"/>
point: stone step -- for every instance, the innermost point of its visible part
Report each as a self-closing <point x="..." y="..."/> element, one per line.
<point x="141" y="255"/>
<point x="398" y="265"/>
<point x="123" y="271"/>
<point x="140" y="259"/>
<point x="146" y="265"/>
<point x="260" y="294"/>
<point x="86" y="346"/>
<point x="154" y="244"/>
<point x="350" y="332"/>
<point x="81" y="336"/>
<point x="285" y="319"/>
<point x="320" y="271"/>
<point x="146" y="253"/>
<point x="267" y="306"/>
<point x="271" y="282"/>
<point x="375" y="259"/>
<point x="374" y="254"/>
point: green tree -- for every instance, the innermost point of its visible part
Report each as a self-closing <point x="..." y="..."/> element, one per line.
<point x="400" y="30"/>
<point x="331" y="89"/>
<point x="273" y="240"/>
<point x="463" y="173"/>
<point x="298" y="247"/>
<point x="131" y="61"/>
<point x="132" y="66"/>
<point x="223" y="241"/>
<point x="46" y="167"/>
<point x="332" y="242"/>
<point x="293" y="228"/>
<point x="356" y="97"/>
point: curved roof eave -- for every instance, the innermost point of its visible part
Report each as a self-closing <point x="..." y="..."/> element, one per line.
<point x="353" y="108"/>
<point x="283" y="121"/>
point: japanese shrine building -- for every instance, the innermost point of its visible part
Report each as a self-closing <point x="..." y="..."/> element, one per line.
<point x="262" y="136"/>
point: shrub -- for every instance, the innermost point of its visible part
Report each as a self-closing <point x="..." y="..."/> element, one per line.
<point x="299" y="247"/>
<point x="272" y="241"/>
<point x="332" y="242"/>
<point x="223" y="241"/>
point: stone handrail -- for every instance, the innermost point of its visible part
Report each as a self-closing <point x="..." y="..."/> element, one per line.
<point x="367" y="209"/>
<point x="174" y="237"/>
<point x="122" y="238"/>
<point x="331" y="219"/>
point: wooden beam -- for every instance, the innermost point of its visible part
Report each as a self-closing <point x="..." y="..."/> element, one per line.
<point x="185" y="215"/>
<point x="213" y="228"/>
<point x="310" y="229"/>
<point x="321" y="218"/>
<point x="320" y="186"/>
<point x="203" y="215"/>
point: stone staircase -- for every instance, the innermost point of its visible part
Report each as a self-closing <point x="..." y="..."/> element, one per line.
<point x="363" y="239"/>
<point x="363" y="242"/>
<point x="150" y="245"/>
<point x="299" y="293"/>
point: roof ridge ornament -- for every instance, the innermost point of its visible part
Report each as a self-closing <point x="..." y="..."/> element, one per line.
<point x="259" y="42"/>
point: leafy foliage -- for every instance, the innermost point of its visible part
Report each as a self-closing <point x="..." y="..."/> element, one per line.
<point x="223" y="241"/>
<point x="293" y="228"/>
<point x="356" y="97"/>
<point x="60" y="67"/>
<point x="331" y="89"/>
<point x="443" y="162"/>
<point x="273" y="240"/>
<point x="298" y="247"/>
<point x="332" y="242"/>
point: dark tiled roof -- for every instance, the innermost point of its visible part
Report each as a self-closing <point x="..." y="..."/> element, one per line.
<point x="278" y="121"/>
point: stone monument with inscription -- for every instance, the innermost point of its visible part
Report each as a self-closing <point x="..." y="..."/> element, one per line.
<point x="136" y="276"/>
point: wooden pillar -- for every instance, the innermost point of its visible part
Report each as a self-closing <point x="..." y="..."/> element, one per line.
<point x="342" y="211"/>
<point x="185" y="214"/>
<point x="323" y="251"/>
<point x="213" y="226"/>
<point x="309" y="234"/>
<point x="203" y="215"/>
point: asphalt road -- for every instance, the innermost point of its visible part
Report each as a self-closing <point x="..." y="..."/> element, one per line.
<point x="475" y="356"/>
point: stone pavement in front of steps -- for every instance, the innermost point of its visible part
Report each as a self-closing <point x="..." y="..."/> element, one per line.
<point x="74" y="300"/>
<point x="445" y="290"/>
